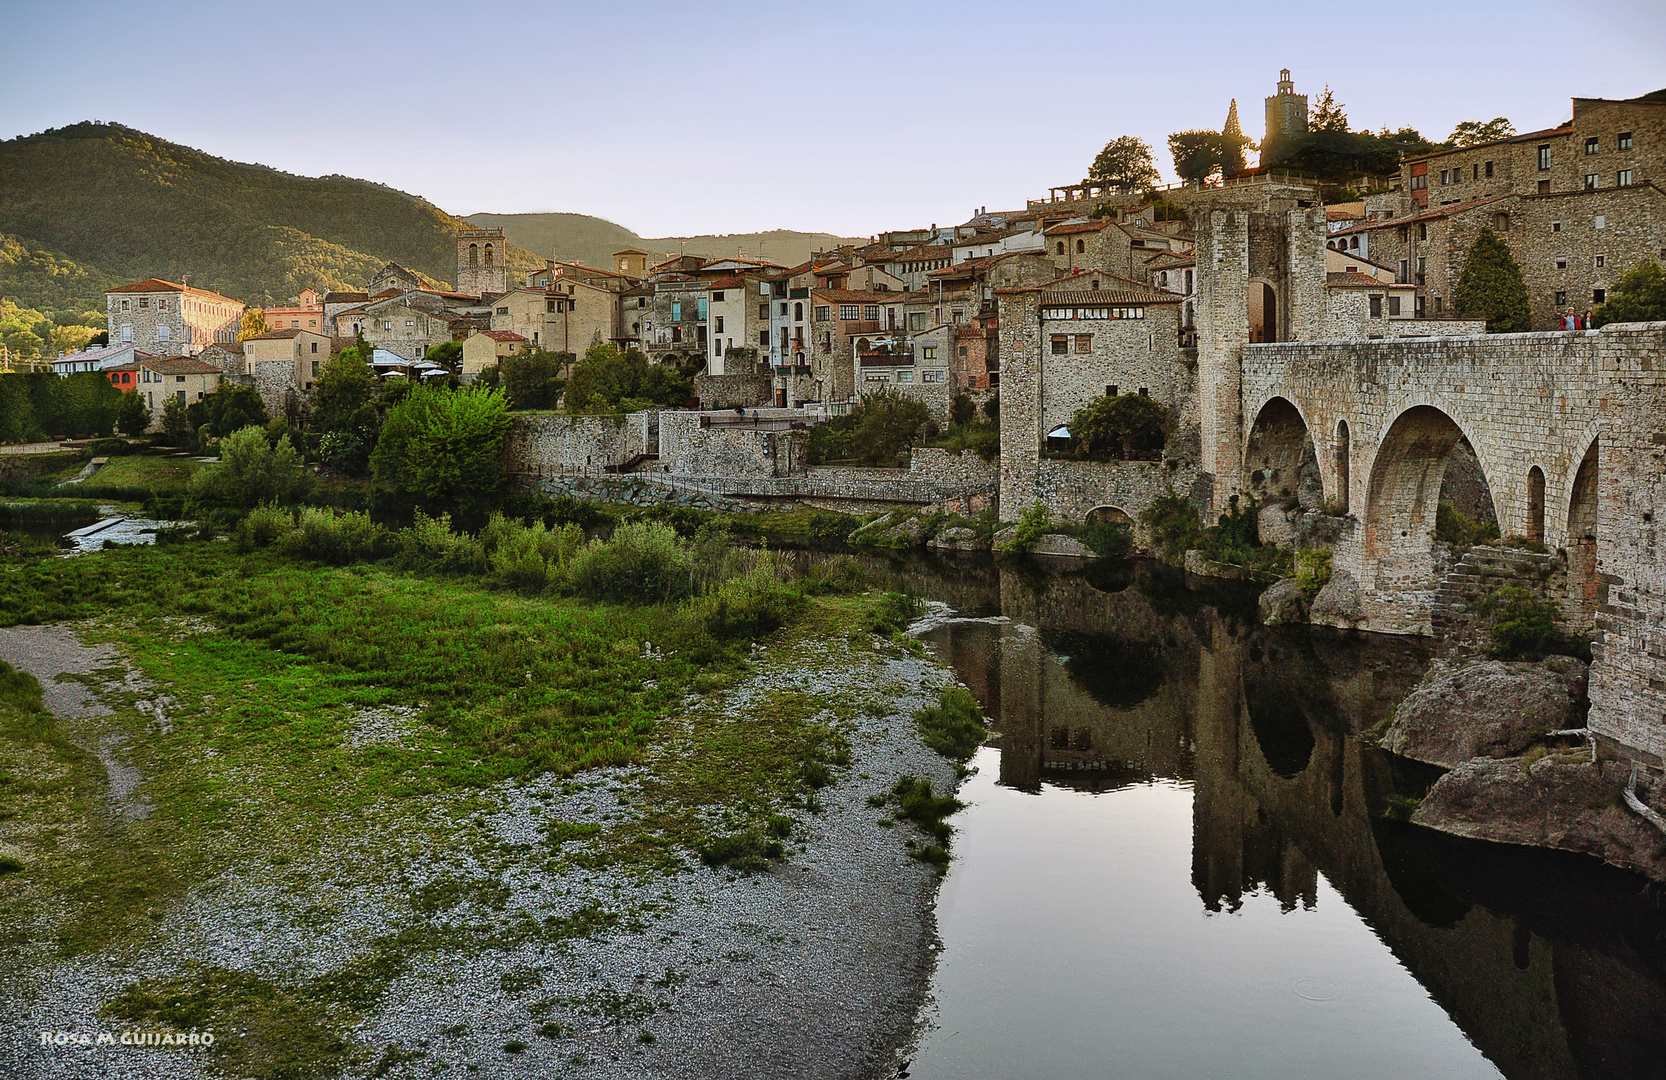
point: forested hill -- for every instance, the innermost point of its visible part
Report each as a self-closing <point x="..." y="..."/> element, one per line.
<point x="593" y="240"/>
<point x="125" y="205"/>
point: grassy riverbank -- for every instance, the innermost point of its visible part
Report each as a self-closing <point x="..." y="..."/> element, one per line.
<point x="346" y="733"/>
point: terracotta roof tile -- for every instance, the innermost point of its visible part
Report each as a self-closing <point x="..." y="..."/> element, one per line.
<point x="502" y="335"/>
<point x="1355" y="280"/>
<point x="180" y="365"/>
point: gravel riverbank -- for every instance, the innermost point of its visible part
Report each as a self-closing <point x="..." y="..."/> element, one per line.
<point x="814" y="970"/>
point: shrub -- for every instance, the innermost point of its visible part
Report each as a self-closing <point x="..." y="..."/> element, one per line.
<point x="1108" y="539"/>
<point x="339" y="538"/>
<point x="892" y="613"/>
<point x="750" y="606"/>
<point x="643" y="563"/>
<point x="1031" y="528"/>
<point x="1524" y="626"/>
<point x="1455" y="527"/>
<point x="1115" y="426"/>
<point x="530" y="558"/>
<point x="839" y="575"/>
<point x="442" y="447"/>
<point x="748" y="852"/>
<point x="954" y="726"/>
<point x="878" y="431"/>
<point x="252" y="471"/>
<point x="1490" y="287"/>
<point x="264" y="526"/>
<point x="1174" y="526"/>
<point x="1313" y="570"/>
<point x="430" y="543"/>
<point x="1639" y="296"/>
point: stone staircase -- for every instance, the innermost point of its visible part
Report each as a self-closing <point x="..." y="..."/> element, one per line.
<point x="1482" y="571"/>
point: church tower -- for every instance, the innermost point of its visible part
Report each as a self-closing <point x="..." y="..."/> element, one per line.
<point x="1286" y="117"/>
<point x="481" y="257"/>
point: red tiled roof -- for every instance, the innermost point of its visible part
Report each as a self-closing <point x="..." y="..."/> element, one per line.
<point x="726" y="283"/>
<point x="1078" y="227"/>
<point x="180" y="365"/>
<point x="1426" y="215"/>
<point x="276" y="335"/>
<point x="150" y="285"/>
<point x="346" y="297"/>
<point x="849" y="296"/>
<point x="1531" y="136"/>
<point x="973" y="266"/>
<point x="1168" y="260"/>
<point x="1355" y="280"/>
<point x="1114" y="289"/>
<point x="502" y="335"/>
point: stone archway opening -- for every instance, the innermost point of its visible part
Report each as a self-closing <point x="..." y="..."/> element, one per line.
<point x="1424" y="459"/>
<point x="1584" y="584"/>
<point x="1536" y="504"/>
<point x="1279" y="459"/>
<point x="1263" y="311"/>
<point x="1112" y="515"/>
<point x="1343" y="448"/>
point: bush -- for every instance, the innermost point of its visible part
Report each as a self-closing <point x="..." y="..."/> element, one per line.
<point x="1313" y="571"/>
<point x="443" y="447"/>
<point x="1114" y="427"/>
<point x="339" y="538"/>
<point x="878" y="431"/>
<point x="892" y="613"/>
<point x="1108" y="539"/>
<point x="954" y="726"/>
<point x="530" y="558"/>
<point x="839" y="575"/>
<point x="1455" y="527"/>
<point x="1524" y="627"/>
<point x="1639" y="296"/>
<point x="749" y="607"/>
<point x="431" y="544"/>
<point x="251" y="472"/>
<point x="748" y="852"/>
<point x="643" y="563"/>
<point x="1174" y="526"/>
<point x="263" y="527"/>
<point x="1035" y="523"/>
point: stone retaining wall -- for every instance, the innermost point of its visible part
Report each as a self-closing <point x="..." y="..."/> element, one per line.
<point x="733" y="391"/>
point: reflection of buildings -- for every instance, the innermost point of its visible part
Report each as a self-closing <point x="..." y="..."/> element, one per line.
<point x="1553" y="967"/>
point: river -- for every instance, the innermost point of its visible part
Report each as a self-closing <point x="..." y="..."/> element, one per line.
<point x="1174" y="862"/>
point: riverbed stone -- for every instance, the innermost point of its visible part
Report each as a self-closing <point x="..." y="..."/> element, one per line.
<point x="1339" y="603"/>
<point x="1283" y="603"/>
<point x="1489" y="709"/>
<point x="1060" y="544"/>
<point x="1564" y="802"/>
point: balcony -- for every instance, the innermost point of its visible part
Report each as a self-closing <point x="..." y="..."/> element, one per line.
<point x="886" y="360"/>
<point x="862" y="326"/>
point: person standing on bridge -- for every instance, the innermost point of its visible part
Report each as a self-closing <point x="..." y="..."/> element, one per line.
<point x="1570" y="321"/>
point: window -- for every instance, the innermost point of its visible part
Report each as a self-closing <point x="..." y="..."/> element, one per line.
<point x="1501" y="222"/>
<point x="1084" y="343"/>
<point x="1598" y="295"/>
<point x="1622" y="141"/>
<point x="718" y="329"/>
<point x="164" y="332"/>
<point x="917" y="320"/>
<point x="702" y="308"/>
<point x="931" y="376"/>
<point x="1394" y="305"/>
<point x="1061" y="247"/>
<point x="1061" y="344"/>
<point x="717" y="297"/>
<point x="1437" y="307"/>
<point x="824" y="313"/>
<point x="1422" y="270"/>
<point x="1487" y="170"/>
<point x="904" y="375"/>
<point x="1445" y="177"/>
<point x="549" y="306"/>
<point x="1561" y="264"/>
<point x="763" y="312"/>
<point x="1095" y="284"/>
<point x="1601" y="261"/>
<point x="870" y="312"/>
<point x="315" y="369"/>
<point x="1544" y="157"/>
<point x="1622" y="178"/>
<point x="928" y="352"/>
<point x="1376" y="307"/>
<point x="963" y="352"/>
<point x="1590" y="181"/>
<point x="1561" y="299"/>
<point x="1475" y="172"/>
<point x="1402" y="279"/>
<point x="124" y="305"/>
<point x="315" y="346"/>
<point x="1353" y="242"/>
<point x="676" y="333"/>
<point x="505" y="311"/>
<point x="1081" y="246"/>
<point x="144" y="301"/>
<point x="1544" y="187"/>
<point x="410" y="324"/>
<point x="676" y="311"/>
<point x="1419" y="181"/>
<point x="763" y="339"/>
<point x="1555" y="226"/>
<point x="1405" y="233"/>
<point x="1145" y="391"/>
<point x="1592" y="146"/>
<point x="1423" y="230"/>
<point x="849" y="312"/>
<point x="1417" y="307"/>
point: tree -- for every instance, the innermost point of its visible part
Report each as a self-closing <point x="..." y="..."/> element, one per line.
<point x="1327" y="113"/>
<point x="532" y="380"/>
<point x="962" y="410"/>
<point x="252" y="471"/>
<point x="17" y="412"/>
<point x="254" y="323"/>
<point x="1125" y="165"/>
<point x="133" y="418"/>
<point x="443" y="447"/>
<point x="343" y="416"/>
<point x="1233" y="143"/>
<point x="878" y="431"/>
<point x="177" y="427"/>
<point x="1197" y="154"/>
<point x="1114" y="425"/>
<point x="1491" y="287"/>
<point x="449" y="353"/>
<point x="609" y="379"/>
<point x="231" y="408"/>
<point x="1639" y="296"/>
<point x="1475" y="132"/>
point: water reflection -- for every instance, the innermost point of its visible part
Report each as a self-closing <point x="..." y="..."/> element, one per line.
<point x="1176" y="863"/>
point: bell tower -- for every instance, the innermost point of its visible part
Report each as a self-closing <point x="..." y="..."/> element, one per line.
<point x="1286" y="117"/>
<point x="481" y="257"/>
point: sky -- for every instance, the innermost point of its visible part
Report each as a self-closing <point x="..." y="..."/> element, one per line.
<point x="690" y="118"/>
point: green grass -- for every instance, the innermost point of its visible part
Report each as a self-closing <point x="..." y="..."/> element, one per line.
<point x="137" y="477"/>
<point x="954" y="726"/>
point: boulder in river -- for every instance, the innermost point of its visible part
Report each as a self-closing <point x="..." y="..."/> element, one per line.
<point x="959" y="538"/>
<point x="1060" y="544"/>
<point x="1488" y="709"/>
<point x="1564" y="802"/>
<point x="1339" y="603"/>
<point x="1283" y="603"/>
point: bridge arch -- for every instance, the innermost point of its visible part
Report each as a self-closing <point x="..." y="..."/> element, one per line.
<point x="1280" y="460"/>
<point x="1403" y="495"/>
<point x="1115" y="515"/>
<point x="1584" y="583"/>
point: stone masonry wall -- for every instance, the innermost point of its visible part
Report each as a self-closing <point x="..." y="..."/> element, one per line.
<point x="543" y="445"/>
<point x="733" y="391"/>
<point x="689" y="445"/>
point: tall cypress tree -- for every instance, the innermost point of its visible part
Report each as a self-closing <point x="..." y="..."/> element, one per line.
<point x="1491" y="287"/>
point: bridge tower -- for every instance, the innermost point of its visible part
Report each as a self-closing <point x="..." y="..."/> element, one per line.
<point x="1260" y="278"/>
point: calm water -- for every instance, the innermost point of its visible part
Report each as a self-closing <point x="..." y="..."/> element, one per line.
<point x="1175" y="864"/>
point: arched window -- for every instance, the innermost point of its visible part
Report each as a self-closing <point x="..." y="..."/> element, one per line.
<point x="1342" y="463"/>
<point x="474" y="255"/>
<point x="1536" y="504"/>
<point x="1061" y="247"/>
<point x="1081" y="246"/>
<point x="488" y="254"/>
<point x="798" y="313"/>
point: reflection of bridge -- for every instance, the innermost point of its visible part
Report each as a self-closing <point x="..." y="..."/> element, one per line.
<point x="1264" y="722"/>
<point x="1568" y="428"/>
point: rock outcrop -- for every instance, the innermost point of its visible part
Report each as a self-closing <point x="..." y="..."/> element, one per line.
<point x="1060" y="544"/>
<point x="1564" y="802"/>
<point x="1486" y="709"/>
<point x="959" y="538"/>
<point x="1283" y="603"/>
<point x="1339" y="603"/>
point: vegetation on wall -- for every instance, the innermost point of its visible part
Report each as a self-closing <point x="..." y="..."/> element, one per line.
<point x="1117" y="427"/>
<point x="610" y="379"/>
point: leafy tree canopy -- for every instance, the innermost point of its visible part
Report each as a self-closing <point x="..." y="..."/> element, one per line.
<point x="442" y="447"/>
<point x="134" y="415"/>
<point x="533" y="379"/>
<point x="610" y="379"/>
<point x="1116" y="426"/>
<point x="1197" y="154"/>
<point x="252" y="471"/>
<point x="878" y="431"/>
<point x="228" y="409"/>
<point x="1639" y="296"/>
<point x="1125" y="164"/>
<point x="1475" y="132"/>
<point x="1327" y="114"/>
<point x="1491" y="287"/>
<point x="254" y="323"/>
<point x="343" y="412"/>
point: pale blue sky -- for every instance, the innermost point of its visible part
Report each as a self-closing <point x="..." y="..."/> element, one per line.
<point x="685" y="118"/>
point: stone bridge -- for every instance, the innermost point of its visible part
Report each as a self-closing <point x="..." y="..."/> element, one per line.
<point x="1569" y="431"/>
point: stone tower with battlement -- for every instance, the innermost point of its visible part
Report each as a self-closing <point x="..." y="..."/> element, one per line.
<point x="481" y="254"/>
<point x="1286" y="117"/>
